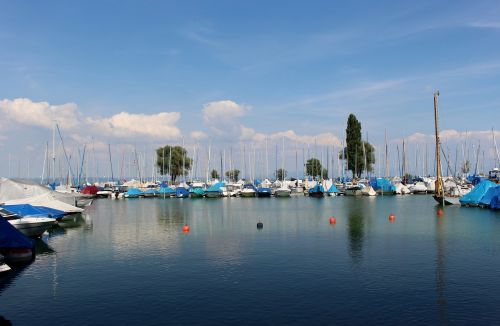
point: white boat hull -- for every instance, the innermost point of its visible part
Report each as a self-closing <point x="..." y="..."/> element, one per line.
<point x="33" y="226"/>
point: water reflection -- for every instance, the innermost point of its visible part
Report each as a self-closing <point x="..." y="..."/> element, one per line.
<point x="356" y="231"/>
<point x="441" y="301"/>
<point x="42" y="248"/>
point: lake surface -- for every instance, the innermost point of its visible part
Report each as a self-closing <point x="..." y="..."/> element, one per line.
<point x="128" y="262"/>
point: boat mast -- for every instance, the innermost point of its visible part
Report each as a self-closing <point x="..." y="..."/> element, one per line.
<point x="439" y="180"/>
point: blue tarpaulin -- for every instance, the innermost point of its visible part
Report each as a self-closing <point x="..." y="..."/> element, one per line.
<point x="181" y="192"/>
<point x="489" y="195"/>
<point x="10" y="237"/>
<point x="475" y="195"/>
<point x="318" y="188"/>
<point x="166" y="190"/>
<point x="216" y="187"/>
<point x="382" y="185"/>
<point x="27" y="209"/>
<point x="333" y="189"/>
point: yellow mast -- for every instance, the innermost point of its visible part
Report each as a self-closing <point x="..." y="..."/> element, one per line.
<point x="439" y="179"/>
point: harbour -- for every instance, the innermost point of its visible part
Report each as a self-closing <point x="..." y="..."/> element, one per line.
<point x="129" y="261"/>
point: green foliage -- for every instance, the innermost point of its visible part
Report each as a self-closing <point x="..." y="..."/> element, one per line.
<point x="280" y="174"/>
<point x="170" y="160"/>
<point x="233" y="175"/>
<point x="214" y="174"/>
<point x="356" y="149"/>
<point x="313" y="167"/>
<point x="324" y="174"/>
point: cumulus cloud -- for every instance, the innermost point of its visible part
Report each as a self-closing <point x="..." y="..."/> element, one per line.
<point x="127" y="125"/>
<point x="159" y="126"/>
<point x="222" y="117"/>
<point x="42" y="114"/>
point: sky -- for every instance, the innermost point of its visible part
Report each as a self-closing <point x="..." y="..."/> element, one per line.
<point x="130" y="76"/>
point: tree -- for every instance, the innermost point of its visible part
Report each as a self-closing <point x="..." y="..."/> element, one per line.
<point x="214" y="174"/>
<point x="173" y="160"/>
<point x="357" y="150"/>
<point x="233" y="174"/>
<point x="313" y="167"/>
<point x="324" y="174"/>
<point x="280" y="174"/>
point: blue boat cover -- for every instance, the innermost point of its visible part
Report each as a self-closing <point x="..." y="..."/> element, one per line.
<point x="476" y="194"/>
<point x="151" y="191"/>
<point x="166" y="190"/>
<point x="134" y="192"/>
<point x="317" y="188"/>
<point x="181" y="192"/>
<point x="333" y="189"/>
<point x="488" y="196"/>
<point x="382" y="184"/>
<point x="25" y="210"/>
<point x="216" y="187"/>
<point x="51" y="212"/>
<point x="10" y="237"/>
<point x="495" y="202"/>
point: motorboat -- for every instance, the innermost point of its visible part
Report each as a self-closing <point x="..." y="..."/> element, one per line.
<point x="248" y="190"/>
<point x="283" y="191"/>
<point x="33" y="226"/>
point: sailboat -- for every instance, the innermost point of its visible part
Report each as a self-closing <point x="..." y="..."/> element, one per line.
<point x="439" y="195"/>
<point x="283" y="190"/>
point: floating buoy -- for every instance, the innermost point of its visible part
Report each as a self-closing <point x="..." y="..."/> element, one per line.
<point x="440" y="212"/>
<point x="333" y="220"/>
<point x="260" y="225"/>
<point x="185" y="228"/>
<point x="392" y="218"/>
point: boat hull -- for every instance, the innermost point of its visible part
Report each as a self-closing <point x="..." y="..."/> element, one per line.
<point x="448" y="200"/>
<point x="213" y="194"/>
<point x="316" y="194"/>
<point x="33" y="227"/>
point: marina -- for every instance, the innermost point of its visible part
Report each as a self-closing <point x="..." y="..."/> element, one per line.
<point x="129" y="261"/>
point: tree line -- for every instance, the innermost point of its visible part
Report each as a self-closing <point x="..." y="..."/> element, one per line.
<point x="359" y="155"/>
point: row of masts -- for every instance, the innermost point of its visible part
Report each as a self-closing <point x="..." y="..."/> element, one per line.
<point x="253" y="159"/>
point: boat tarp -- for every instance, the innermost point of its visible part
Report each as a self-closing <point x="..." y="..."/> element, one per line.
<point x="495" y="202"/>
<point x="250" y="186"/>
<point x="216" y="187"/>
<point x="25" y="210"/>
<point x="488" y="196"/>
<point x="198" y="191"/>
<point x="135" y="192"/>
<point x="317" y="188"/>
<point x="476" y="194"/>
<point x="382" y="184"/>
<point x="151" y="191"/>
<point x="181" y="192"/>
<point x="10" y="237"/>
<point x="90" y="190"/>
<point x="13" y="189"/>
<point x="52" y="212"/>
<point x="333" y="189"/>
<point x="166" y="190"/>
<point x="47" y="200"/>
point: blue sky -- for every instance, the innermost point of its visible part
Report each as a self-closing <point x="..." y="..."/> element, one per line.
<point x="144" y="73"/>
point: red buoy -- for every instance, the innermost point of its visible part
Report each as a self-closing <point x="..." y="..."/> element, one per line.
<point x="185" y="228"/>
<point x="440" y="213"/>
<point x="392" y="218"/>
<point x="333" y="220"/>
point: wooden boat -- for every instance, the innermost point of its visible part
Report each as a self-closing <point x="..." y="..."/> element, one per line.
<point x="439" y="194"/>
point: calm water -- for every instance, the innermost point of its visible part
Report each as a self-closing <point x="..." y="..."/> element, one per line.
<point x="128" y="262"/>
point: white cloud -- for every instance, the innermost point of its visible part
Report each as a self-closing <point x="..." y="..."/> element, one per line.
<point x="42" y="114"/>
<point x="127" y="125"/>
<point x="197" y="135"/>
<point x="222" y="117"/>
